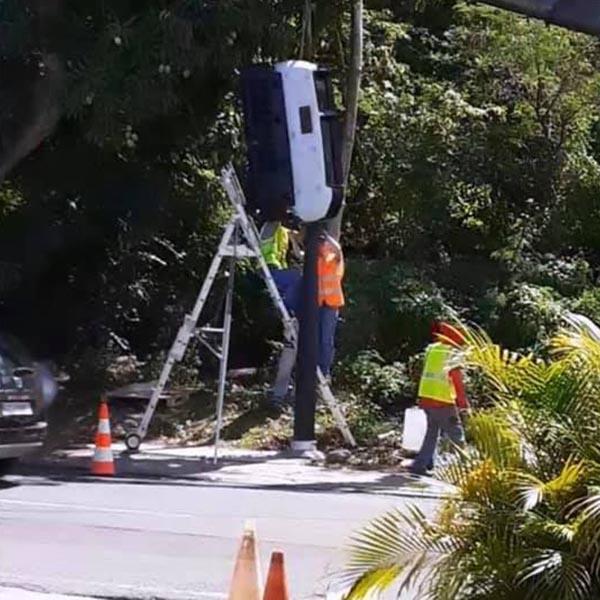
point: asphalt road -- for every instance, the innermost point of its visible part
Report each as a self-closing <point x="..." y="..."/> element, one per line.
<point x="175" y="540"/>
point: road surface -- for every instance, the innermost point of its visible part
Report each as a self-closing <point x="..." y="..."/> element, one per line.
<point x="172" y="540"/>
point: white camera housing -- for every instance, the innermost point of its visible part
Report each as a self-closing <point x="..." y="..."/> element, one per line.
<point x="312" y="195"/>
<point x="294" y="139"/>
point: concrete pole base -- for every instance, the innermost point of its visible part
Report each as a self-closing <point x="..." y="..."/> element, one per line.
<point x="303" y="445"/>
<point x="306" y="449"/>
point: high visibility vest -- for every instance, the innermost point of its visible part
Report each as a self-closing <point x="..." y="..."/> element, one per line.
<point x="331" y="274"/>
<point x="435" y="381"/>
<point x="274" y="248"/>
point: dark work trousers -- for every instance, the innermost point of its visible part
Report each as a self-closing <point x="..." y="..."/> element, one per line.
<point x="328" y="319"/>
<point x="439" y="419"/>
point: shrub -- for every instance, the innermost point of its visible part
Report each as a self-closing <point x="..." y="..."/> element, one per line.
<point x="365" y="418"/>
<point x="567" y="275"/>
<point x="588" y="304"/>
<point x="530" y="314"/>
<point x="366" y="375"/>
<point x="390" y="306"/>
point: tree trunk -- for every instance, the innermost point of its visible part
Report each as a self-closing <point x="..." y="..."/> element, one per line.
<point x="18" y="139"/>
<point x="352" y="95"/>
<point x="32" y="98"/>
<point x="307" y="50"/>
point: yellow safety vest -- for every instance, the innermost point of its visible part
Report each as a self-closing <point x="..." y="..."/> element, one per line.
<point x="274" y="248"/>
<point x="435" y="381"/>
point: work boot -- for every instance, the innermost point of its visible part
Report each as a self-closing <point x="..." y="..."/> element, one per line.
<point x="277" y="405"/>
<point x="409" y="465"/>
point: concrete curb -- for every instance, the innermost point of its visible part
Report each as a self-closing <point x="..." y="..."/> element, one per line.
<point x="254" y="470"/>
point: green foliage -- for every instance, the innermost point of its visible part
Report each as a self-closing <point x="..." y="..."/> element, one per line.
<point x="530" y="313"/>
<point x="364" y="416"/>
<point x="567" y="275"/>
<point x="367" y="375"/>
<point x="522" y="520"/>
<point x="478" y="146"/>
<point x="450" y="132"/>
<point x="475" y="187"/>
<point x="390" y="307"/>
<point x="588" y="304"/>
<point x="10" y="199"/>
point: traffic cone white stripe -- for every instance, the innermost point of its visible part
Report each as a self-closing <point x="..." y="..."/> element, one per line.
<point x="103" y="455"/>
<point x="103" y="463"/>
<point x="246" y="583"/>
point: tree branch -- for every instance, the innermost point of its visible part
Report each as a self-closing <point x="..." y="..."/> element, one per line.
<point x="352" y="97"/>
<point x="22" y="130"/>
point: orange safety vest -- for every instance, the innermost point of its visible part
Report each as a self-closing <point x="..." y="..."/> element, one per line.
<point x="331" y="274"/>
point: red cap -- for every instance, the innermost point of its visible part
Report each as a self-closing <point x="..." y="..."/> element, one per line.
<point x="446" y="333"/>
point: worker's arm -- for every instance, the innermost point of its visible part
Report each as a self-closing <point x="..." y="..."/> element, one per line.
<point x="456" y="377"/>
<point x="330" y="253"/>
<point x="296" y="244"/>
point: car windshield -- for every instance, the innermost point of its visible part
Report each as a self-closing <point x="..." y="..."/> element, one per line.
<point x="7" y="365"/>
<point x="12" y="355"/>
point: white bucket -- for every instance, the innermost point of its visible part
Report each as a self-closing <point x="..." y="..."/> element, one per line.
<point x="415" y="426"/>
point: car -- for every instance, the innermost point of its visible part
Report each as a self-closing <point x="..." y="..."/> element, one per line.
<point x="27" y="388"/>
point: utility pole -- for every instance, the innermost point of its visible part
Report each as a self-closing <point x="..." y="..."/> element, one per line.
<point x="308" y="346"/>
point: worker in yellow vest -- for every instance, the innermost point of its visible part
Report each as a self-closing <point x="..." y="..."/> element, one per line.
<point x="275" y="244"/>
<point x="275" y="241"/>
<point x="441" y="395"/>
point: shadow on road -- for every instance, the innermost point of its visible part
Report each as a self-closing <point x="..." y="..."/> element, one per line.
<point x="230" y="473"/>
<point x="6" y="484"/>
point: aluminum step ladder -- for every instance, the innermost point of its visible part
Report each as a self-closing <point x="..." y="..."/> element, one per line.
<point x="241" y="240"/>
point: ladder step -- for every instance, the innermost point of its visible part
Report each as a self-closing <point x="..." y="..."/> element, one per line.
<point x="211" y="330"/>
<point x="239" y="251"/>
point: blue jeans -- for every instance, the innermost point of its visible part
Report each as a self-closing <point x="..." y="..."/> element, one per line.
<point x="328" y="319"/>
<point x="442" y="419"/>
<point x="288" y="283"/>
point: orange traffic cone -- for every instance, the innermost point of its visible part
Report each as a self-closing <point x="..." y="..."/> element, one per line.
<point x="277" y="588"/>
<point x="103" y="462"/>
<point x="246" y="581"/>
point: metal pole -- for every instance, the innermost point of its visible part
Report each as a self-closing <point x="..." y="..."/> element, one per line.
<point x="227" y="319"/>
<point x="308" y="346"/>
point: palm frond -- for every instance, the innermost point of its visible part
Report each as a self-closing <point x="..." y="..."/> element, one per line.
<point x="458" y="468"/>
<point x="506" y="374"/>
<point x="494" y="438"/>
<point x="555" y="574"/>
<point x="587" y="512"/>
<point x="578" y="345"/>
<point x="532" y="491"/>
<point x="373" y="582"/>
<point x="542" y="531"/>
<point x="525" y="521"/>
<point x="395" y="548"/>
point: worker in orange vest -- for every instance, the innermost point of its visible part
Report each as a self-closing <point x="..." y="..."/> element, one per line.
<point x="330" y="268"/>
<point x="331" y="298"/>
